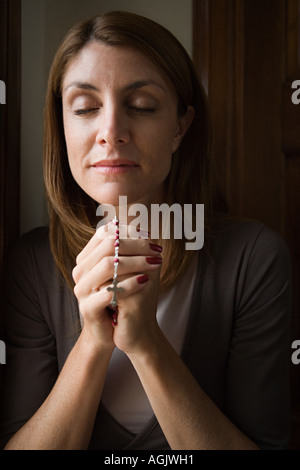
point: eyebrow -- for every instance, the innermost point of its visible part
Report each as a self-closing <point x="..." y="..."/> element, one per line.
<point x="82" y="86"/>
<point x="132" y="86"/>
<point x="143" y="83"/>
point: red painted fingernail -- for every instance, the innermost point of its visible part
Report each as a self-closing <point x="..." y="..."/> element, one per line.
<point x="155" y="247"/>
<point x="142" y="279"/>
<point x="154" y="260"/>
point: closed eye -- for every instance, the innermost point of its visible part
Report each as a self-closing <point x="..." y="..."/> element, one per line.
<point x="82" y="112"/>
<point x="134" y="109"/>
<point x="140" y="110"/>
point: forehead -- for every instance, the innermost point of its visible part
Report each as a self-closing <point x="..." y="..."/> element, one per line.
<point x="101" y="63"/>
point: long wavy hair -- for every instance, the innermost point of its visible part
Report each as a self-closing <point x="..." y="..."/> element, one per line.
<point x="192" y="178"/>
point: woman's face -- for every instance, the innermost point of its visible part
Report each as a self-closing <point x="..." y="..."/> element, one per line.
<point x="121" y="124"/>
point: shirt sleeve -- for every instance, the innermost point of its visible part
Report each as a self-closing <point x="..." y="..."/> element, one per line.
<point x="31" y="364"/>
<point x="257" y="379"/>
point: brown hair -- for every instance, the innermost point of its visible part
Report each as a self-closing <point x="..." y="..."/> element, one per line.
<point x="192" y="177"/>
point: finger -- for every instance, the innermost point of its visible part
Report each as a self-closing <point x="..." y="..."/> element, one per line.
<point x="127" y="247"/>
<point x="103" y="272"/>
<point x="109" y="230"/>
<point x="125" y="231"/>
<point x="92" y="244"/>
<point x="126" y="287"/>
<point x="101" y="299"/>
<point x="87" y="254"/>
<point x="91" y="255"/>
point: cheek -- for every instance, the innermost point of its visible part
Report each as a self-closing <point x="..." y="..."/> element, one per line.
<point x="161" y="156"/>
<point x="71" y="134"/>
<point x="165" y="150"/>
<point x="160" y="160"/>
<point x="159" y="139"/>
<point x="70" y="138"/>
<point x="76" y="142"/>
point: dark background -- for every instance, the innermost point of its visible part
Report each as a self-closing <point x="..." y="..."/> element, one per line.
<point x="248" y="54"/>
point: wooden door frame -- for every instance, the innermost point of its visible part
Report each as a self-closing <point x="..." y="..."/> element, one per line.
<point x="10" y="118"/>
<point x="230" y="38"/>
<point x="247" y="52"/>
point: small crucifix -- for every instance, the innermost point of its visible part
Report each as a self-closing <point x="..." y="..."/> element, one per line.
<point x="114" y="290"/>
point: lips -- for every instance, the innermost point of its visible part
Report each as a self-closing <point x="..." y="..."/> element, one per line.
<point x="113" y="166"/>
<point x="119" y="162"/>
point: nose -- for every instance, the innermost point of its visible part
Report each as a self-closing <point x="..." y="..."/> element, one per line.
<point x="112" y="128"/>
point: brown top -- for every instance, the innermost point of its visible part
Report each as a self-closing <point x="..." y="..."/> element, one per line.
<point x="237" y="344"/>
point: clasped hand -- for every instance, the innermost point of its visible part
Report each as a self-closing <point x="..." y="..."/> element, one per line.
<point x="138" y="276"/>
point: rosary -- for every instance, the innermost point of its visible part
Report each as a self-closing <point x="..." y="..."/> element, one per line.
<point x="115" y="289"/>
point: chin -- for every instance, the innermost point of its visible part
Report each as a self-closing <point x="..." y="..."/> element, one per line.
<point x="112" y="195"/>
<point x="113" y="199"/>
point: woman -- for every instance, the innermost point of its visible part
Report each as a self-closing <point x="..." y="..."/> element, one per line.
<point x="196" y="356"/>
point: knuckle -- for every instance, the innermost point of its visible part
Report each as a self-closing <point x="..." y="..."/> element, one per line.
<point x="101" y="232"/>
<point x="78" y="258"/>
<point x="107" y="264"/>
<point x="75" y="273"/>
<point x="77" y="291"/>
<point x="108" y="242"/>
<point x="145" y="244"/>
